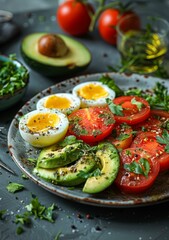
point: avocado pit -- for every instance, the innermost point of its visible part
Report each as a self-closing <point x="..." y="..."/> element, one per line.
<point x="51" y="45"/>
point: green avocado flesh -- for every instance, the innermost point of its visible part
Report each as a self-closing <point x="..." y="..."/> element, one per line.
<point x="77" y="59"/>
<point x="110" y="161"/>
<point x="68" y="176"/>
<point x="55" y="156"/>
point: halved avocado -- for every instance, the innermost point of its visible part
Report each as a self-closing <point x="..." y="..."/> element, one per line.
<point x="75" y="60"/>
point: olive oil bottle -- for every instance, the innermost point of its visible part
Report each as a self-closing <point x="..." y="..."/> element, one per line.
<point x="144" y="50"/>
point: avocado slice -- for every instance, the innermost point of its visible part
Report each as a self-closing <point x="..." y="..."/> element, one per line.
<point x="56" y="156"/>
<point x="68" y="176"/>
<point x="110" y="161"/>
<point x="76" y="60"/>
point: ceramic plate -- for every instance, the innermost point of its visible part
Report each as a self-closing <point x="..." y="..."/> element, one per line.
<point x="21" y="151"/>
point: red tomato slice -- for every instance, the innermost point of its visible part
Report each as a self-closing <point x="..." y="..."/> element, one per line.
<point x="130" y="181"/>
<point x="148" y="141"/>
<point x="121" y="136"/>
<point x="132" y="113"/>
<point x="91" y="124"/>
<point x="155" y="123"/>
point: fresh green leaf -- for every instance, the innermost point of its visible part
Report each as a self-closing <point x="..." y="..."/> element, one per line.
<point x="137" y="103"/>
<point x="40" y="211"/>
<point x="23" y="219"/>
<point x="84" y="175"/>
<point x="116" y="109"/>
<point x="164" y="139"/>
<point x="2" y="212"/>
<point x="19" y="230"/>
<point x="111" y="84"/>
<point x="123" y="136"/>
<point x="14" y="187"/>
<point x="68" y="141"/>
<point x="140" y="167"/>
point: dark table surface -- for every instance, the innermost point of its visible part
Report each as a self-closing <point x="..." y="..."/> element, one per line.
<point x="73" y="220"/>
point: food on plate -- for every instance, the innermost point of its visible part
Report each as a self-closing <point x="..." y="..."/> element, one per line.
<point x="91" y="124"/>
<point x="58" y="156"/>
<point x="74" y="17"/>
<point x="63" y="102"/>
<point x="43" y="128"/>
<point x="112" y="146"/>
<point x="138" y="170"/>
<point x="68" y="176"/>
<point x="93" y="93"/>
<point x="62" y="57"/>
<point x="130" y="109"/>
<point x="110" y="161"/>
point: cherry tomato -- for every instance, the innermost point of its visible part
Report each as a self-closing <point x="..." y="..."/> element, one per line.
<point x="74" y="17"/>
<point x="121" y="136"/>
<point x="91" y="124"/>
<point x="157" y="121"/>
<point x="148" y="141"/>
<point x="134" y="109"/>
<point x="137" y="171"/>
<point x="108" y="21"/>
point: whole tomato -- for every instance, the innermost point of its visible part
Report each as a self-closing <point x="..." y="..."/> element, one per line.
<point x="74" y="17"/>
<point x="108" y="21"/>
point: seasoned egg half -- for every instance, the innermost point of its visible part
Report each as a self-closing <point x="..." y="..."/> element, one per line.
<point x="43" y="128"/>
<point x="63" y="102"/>
<point x="93" y="93"/>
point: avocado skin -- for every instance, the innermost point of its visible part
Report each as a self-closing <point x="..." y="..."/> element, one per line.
<point x="53" y="71"/>
<point x="110" y="161"/>
<point x="54" y="156"/>
<point x="68" y="176"/>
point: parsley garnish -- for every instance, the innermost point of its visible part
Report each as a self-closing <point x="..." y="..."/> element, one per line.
<point x="84" y="175"/>
<point x="140" y="167"/>
<point x="116" y="109"/>
<point x="40" y="211"/>
<point x="111" y="84"/>
<point x="137" y="103"/>
<point x="14" y="187"/>
<point x="68" y="141"/>
<point x="164" y="139"/>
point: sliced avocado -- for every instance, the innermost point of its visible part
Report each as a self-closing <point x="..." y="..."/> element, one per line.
<point x="55" y="156"/>
<point x="78" y="57"/>
<point x="68" y="176"/>
<point x="110" y="161"/>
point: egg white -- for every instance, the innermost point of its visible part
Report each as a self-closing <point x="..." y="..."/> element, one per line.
<point x="43" y="137"/>
<point x="74" y="103"/>
<point x="90" y="102"/>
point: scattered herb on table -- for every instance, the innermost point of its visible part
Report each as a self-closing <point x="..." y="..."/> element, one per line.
<point x="14" y="187"/>
<point x="2" y="212"/>
<point x="40" y="211"/>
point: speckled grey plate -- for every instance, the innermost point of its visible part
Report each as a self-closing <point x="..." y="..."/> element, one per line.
<point x="112" y="197"/>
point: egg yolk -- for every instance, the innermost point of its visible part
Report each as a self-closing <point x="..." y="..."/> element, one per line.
<point x="42" y="122"/>
<point x="92" y="92"/>
<point x="57" y="102"/>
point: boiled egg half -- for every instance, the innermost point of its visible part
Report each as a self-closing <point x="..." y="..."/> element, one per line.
<point x="43" y="128"/>
<point x="63" y="102"/>
<point x="93" y="94"/>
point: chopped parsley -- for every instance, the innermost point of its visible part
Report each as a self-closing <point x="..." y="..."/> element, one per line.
<point x="14" y="187"/>
<point x="2" y="212"/>
<point x="116" y="109"/>
<point x="164" y="139"/>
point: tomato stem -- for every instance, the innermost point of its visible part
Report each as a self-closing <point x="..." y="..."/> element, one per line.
<point x="102" y="6"/>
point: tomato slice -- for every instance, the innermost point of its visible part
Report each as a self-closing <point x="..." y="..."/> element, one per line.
<point x="131" y="179"/>
<point x="134" y="109"/>
<point x="91" y="124"/>
<point x="157" y="121"/>
<point x="121" y="136"/>
<point x="148" y="141"/>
